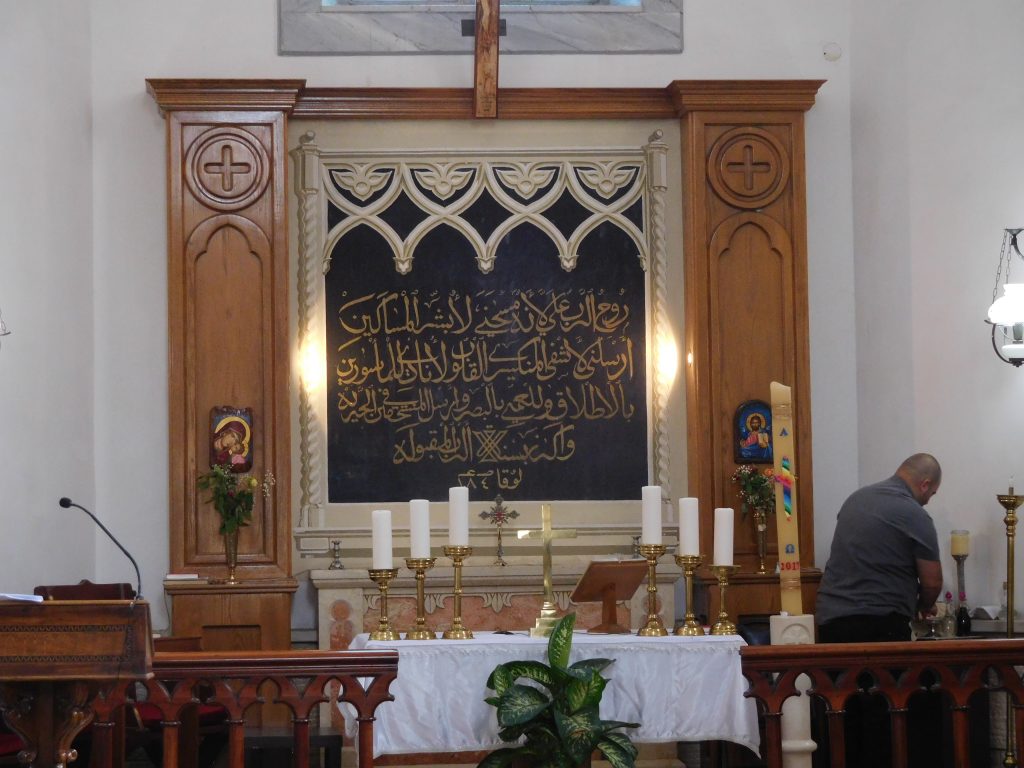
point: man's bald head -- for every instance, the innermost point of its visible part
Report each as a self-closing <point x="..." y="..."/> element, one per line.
<point x="922" y="474"/>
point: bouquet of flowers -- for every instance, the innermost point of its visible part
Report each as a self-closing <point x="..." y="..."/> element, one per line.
<point x="757" y="488"/>
<point x="232" y="495"/>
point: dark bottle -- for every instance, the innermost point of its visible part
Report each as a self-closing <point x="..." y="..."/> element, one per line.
<point x="963" y="618"/>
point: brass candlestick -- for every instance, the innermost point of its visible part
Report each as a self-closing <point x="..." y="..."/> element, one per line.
<point x="654" y="626"/>
<point x="689" y="564"/>
<point x="420" y="565"/>
<point x="1010" y="501"/>
<point x="457" y="631"/>
<point x="382" y="578"/>
<point x="723" y="626"/>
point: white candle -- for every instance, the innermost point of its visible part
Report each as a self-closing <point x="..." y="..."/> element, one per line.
<point x="723" y="536"/>
<point x="650" y="531"/>
<point x="960" y="543"/>
<point x="382" y="539"/>
<point x="689" y="527"/>
<point x="458" y="516"/>
<point x="419" y="528"/>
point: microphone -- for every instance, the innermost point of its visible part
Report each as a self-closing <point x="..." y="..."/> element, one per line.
<point x="66" y="502"/>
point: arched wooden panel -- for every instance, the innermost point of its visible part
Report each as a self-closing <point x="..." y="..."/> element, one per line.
<point x="228" y="345"/>
<point x="746" y="287"/>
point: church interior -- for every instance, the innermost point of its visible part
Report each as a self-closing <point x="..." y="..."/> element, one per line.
<point x="197" y="229"/>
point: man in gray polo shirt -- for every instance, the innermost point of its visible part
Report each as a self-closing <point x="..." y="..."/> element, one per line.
<point x="884" y="566"/>
<point x="883" y="569"/>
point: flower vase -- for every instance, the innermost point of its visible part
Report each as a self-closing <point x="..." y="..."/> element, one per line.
<point x="231" y="550"/>
<point x="761" y="527"/>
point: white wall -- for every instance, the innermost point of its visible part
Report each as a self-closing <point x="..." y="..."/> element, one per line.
<point x="937" y="108"/>
<point x="125" y="328"/>
<point x="46" y="274"/>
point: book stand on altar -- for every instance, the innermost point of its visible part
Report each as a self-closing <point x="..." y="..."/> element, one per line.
<point x="56" y="657"/>
<point x="609" y="581"/>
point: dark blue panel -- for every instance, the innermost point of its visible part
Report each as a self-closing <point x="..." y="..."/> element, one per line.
<point x="529" y="381"/>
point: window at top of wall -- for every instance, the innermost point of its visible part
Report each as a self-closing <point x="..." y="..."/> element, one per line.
<point x="435" y="26"/>
<point x="329" y="5"/>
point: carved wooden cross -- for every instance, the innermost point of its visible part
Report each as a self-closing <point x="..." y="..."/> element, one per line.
<point x="485" y="58"/>
<point x="547" y="535"/>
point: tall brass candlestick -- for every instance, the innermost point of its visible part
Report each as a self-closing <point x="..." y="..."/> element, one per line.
<point x="689" y="564"/>
<point x="382" y="577"/>
<point x="654" y="626"/>
<point x="723" y="626"/>
<point x="457" y="631"/>
<point x="420" y="565"/>
<point x="1010" y="501"/>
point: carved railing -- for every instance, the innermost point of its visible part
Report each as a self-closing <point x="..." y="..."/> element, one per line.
<point x="184" y="683"/>
<point x="896" y="672"/>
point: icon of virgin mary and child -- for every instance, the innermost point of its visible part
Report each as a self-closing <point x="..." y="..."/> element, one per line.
<point x="231" y="438"/>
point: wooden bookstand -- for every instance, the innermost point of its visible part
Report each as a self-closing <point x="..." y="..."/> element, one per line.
<point x="609" y="581"/>
<point x="56" y="657"/>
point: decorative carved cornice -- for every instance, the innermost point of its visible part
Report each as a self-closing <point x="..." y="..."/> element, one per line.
<point x="742" y="95"/>
<point x="225" y="94"/>
<point x="678" y="98"/>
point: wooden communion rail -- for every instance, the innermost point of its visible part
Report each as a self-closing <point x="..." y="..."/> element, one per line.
<point x="896" y="671"/>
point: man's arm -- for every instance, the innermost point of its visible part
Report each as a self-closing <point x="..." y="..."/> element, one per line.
<point x="929" y="574"/>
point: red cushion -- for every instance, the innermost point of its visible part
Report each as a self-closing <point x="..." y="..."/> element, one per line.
<point x="209" y="714"/>
<point x="10" y="744"/>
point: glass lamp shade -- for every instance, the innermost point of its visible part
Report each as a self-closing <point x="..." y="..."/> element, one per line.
<point x="1008" y="309"/>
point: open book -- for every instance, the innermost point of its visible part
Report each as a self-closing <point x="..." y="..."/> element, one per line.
<point x="986" y="612"/>
<point x="24" y="598"/>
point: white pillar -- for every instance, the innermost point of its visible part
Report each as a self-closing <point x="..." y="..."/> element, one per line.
<point x="797" y="744"/>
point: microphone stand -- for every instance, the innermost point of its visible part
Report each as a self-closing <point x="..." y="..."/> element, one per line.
<point x="66" y="502"/>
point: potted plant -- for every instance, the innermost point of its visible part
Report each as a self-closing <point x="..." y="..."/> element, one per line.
<point x="558" y="719"/>
<point x="757" y="492"/>
<point x="232" y="497"/>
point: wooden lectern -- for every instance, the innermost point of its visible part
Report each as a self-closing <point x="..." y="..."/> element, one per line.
<point x="56" y="657"/>
<point x="609" y="581"/>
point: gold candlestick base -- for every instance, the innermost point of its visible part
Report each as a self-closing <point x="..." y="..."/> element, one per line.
<point x="689" y="564"/>
<point x="546" y="621"/>
<point x="723" y="626"/>
<point x="382" y="578"/>
<point x="420" y="565"/>
<point x="457" y="631"/>
<point x="654" y="626"/>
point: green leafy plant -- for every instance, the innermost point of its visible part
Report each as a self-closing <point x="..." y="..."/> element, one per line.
<point x="232" y="495"/>
<point x="558" y="715"/>
<point x="756" y="489"/>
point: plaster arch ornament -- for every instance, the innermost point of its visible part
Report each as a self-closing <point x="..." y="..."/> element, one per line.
<point x="606" y="186"/>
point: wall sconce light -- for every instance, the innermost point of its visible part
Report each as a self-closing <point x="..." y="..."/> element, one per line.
<point x="3" y="327"/>
<point x="1006" y="315"/>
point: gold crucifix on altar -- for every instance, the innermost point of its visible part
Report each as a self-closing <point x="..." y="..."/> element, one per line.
<point x="548" y="618"/>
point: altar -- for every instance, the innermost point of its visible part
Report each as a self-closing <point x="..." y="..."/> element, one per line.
<point x="494" y="597"/>
<point x="678" y="688"/>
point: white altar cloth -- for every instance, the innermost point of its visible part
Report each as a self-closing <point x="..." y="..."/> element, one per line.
<point x="678" y="688"/>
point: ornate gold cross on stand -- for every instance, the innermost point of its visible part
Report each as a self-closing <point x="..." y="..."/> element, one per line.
<point x="548" y="612"/>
